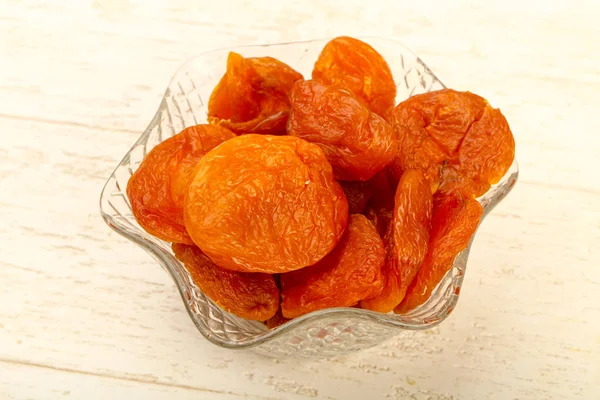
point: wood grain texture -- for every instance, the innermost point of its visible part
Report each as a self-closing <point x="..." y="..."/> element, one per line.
<point x="86" y="314"/>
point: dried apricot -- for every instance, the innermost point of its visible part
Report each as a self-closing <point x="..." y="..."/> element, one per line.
<point x="276" y="320"/>
<point x="454" y="221"/>
<point x="359" y="67"/>
<point x="262" y="203"/>
<point x="459" y="130"/>
<point x="357" y="142"/>
<point x="156" y="189"/>
<point x="350" y="273"/>
<point x="406" y="240"/>
<point x="454" y="182"/>
<point x="487" y="150"/>
<point x="252" y="96"/>
<point x="358" y="194"/>
<point x="252" y="296"/>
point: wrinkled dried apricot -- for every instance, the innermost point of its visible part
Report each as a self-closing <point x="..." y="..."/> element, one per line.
<point x="277" y="320"/>
<point x="156" y="189"/>
<point x="487" y="150"/>
<point x="406" y="240"/>
<point x="350" y="273"/>
<point x="252" y="96"/>
<point x="380" y="208"/>
<point x="357" y="142"/>
<point x="454" y="182"/>
<point x="252" y="296"/>
<point x="455" y="129"/>
<point x="358" y="194"/>
<point x="454" y="221"/>
<point x="262" y="203"/>
<point x="359" y="67"/>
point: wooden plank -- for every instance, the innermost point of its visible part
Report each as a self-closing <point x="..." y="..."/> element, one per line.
<point x="16" y="383"/>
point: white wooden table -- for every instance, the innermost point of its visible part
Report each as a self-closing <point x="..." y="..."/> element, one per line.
<point x="85" y="314"/>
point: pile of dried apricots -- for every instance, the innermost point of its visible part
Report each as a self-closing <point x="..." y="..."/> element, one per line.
<point x="300" y="195"/>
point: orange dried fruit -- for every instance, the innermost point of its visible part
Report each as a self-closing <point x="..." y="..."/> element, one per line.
<point x="406" y="240"/>
<point x="253" y="296"/>
<point x="350" y="273"/>
<point x="156" y="189"/>
<point x="357" y="142"/>
<point x="454" y="182"/>
<point x="262" y="203"/>
<point x="487" y="150"/>
<point x="356" y="65"/>
<point x="454" y="221"/>
<point x="277" y="320"/>
<point x="451" y="129"/>
<point x="252" y="96"/>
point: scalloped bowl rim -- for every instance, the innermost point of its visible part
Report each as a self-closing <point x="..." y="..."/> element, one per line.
<point x="391" y="320"/>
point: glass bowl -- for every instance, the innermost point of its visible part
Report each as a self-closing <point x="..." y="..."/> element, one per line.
<point x="323" y="333"/>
